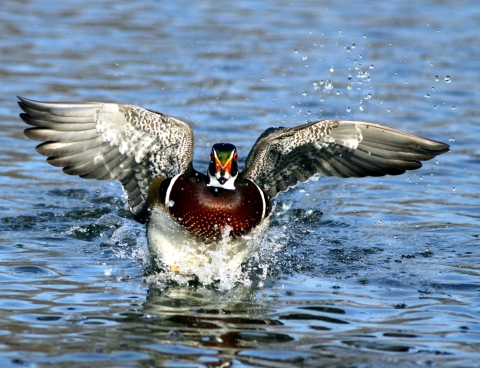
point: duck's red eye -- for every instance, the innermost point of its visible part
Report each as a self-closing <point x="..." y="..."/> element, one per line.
<point x="235" y="156"/>
<point x="212" y="155"/>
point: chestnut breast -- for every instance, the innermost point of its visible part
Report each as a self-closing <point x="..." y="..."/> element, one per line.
<point x="209" y="212"/>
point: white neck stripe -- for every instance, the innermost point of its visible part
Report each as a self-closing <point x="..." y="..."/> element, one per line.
<point x="169" y="189"/>
<point x="264" y="203"/>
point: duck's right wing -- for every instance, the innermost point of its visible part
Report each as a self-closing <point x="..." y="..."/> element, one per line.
<point x="110" y="141"/>
<point x="282" y="157"/>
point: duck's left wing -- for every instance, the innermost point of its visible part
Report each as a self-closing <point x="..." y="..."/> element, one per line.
<point x="110" y="141"/>
<point x="282" y="157"/>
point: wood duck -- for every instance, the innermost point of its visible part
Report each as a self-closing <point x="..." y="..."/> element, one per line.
<point x="188" y="213"/>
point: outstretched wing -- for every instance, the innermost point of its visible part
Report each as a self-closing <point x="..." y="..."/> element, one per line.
<point x="110" y="141"/>
<point x="282" y="157"/>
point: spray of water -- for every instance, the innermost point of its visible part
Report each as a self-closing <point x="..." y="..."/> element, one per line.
<point x="229" y="263"/>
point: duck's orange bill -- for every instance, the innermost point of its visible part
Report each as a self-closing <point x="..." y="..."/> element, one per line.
<point x="227" y="167"/>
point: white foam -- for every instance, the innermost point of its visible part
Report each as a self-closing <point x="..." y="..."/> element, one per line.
<point x="223" y="264"/>
<point x="218" y="263"/>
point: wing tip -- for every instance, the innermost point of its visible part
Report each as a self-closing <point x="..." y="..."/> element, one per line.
<point x="30" y="133"/>
<point x="27" y="101"/>
<point x="442" y="148"/>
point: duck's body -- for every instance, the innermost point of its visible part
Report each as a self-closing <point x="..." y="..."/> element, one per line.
<point x="190" y="214"/>
<point x="235" y="219"/>
<point x="213" y="213"/>
<point x="183" y="251"/>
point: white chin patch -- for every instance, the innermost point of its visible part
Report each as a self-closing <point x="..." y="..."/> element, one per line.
<point x="229" y="184"/>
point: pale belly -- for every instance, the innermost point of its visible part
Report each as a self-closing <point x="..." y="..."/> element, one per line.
<point x="185" y="253"/>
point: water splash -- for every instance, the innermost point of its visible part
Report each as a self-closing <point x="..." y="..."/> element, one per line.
<point x="182" y="260"/>
<point x="128" y="240"/>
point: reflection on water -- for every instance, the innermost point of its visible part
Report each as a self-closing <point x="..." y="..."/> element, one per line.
<point x="364" y="272"/>
<point x="296" y="323"/>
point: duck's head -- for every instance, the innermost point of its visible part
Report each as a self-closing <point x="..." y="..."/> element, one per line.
<point x="223" y="168"/>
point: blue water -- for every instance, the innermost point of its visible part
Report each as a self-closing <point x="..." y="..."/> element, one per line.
<point x="353" y="272"/>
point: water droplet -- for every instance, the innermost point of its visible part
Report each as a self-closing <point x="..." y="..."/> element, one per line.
<point x="362" y="74"/>
<point x="451" y="139"/>
<point x="454" y="189"/>
<point x="427" y="95"/>
<point x="371" y="66"/>
<point x="150" y="316"/>
<point x="369" y="153"/>
<point x="170" y="203"/>
<point x="362" y="108"/>
<point x="332" y="69"/>
<point x="349" y="77"/>
<point x="421" y="177"/>
<point x="349" y="109"/>
<point x="215" y="226"/>
<point x="437" y="78"/>
<point x="353" y="45"/>
<point x="295" y="51"/>
<point x="448" y="79"/>
<point x="453" y="107"/>
<point x="433" y="88"/>
<point x="304" y="93"/>
<point x="381" y="223"/>
<point x="348" y="49"/>
<point x="337" y="93"/>
<point x="368" y="96"/>
<point x="328" y="84"/>
<point x="175" y="335"/>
